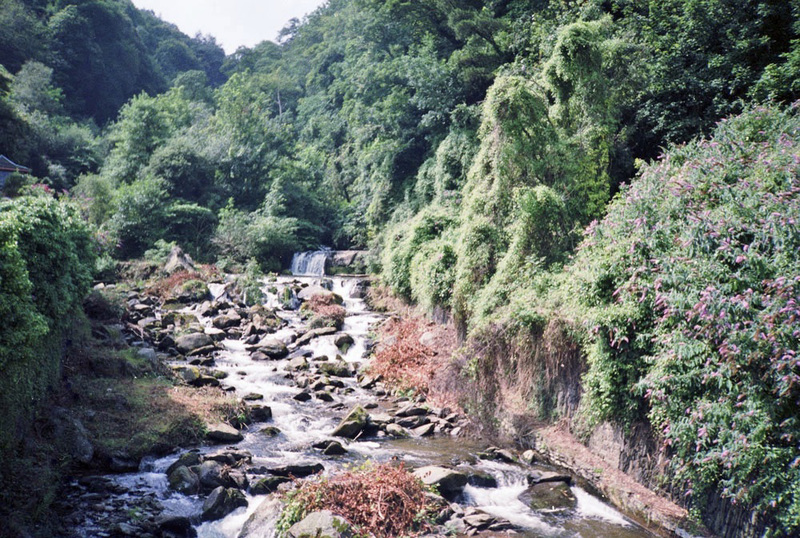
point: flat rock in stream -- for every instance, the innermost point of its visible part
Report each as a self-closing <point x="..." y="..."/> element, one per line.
<point x="192" y="342"/>
<point x="335" y="369"/>
<point x="268" y="485"/>
<point x="298" y="470"/>
<point x="448" y="481"/>
<point x="223" y="433"/>
<point x="175" y="527"/>
<point x="314" y="333"/>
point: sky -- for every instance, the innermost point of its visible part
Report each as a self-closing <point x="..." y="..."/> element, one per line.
<point x="233" y="22"/>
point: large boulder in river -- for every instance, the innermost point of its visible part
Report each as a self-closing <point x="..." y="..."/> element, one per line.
<point x="549" y="496"/>
<point x="221" y="502"/>
<point x="353" y="424"/>
<point x="262" y="522"/>
<point x="447" y="481"/>
<point x="322" y="524"/>
<point x="178" y="261"/>
<point x="273" y="348"/>
<point x="307" y="293"/>
<point x="183" y="480"/>
<point x="191" y="342"/>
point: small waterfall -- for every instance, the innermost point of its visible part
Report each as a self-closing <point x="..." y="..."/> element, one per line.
<point x="310" y="263"/>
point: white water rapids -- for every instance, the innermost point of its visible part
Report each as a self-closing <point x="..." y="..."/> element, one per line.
<point x="302" y="424"/>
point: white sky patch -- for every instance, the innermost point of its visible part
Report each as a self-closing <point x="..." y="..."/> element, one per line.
<point x="234" y="23"/>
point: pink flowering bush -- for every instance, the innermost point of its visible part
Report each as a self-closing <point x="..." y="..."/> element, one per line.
<point x="690" y="290"/>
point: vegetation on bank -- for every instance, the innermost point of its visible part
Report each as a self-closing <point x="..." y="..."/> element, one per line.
<point x="397" y="501"/>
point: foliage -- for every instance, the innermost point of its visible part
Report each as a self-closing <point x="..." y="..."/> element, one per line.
<point x="377" y="499"/>
<point x="268" y="240"/>
<point x="689" y="288"/>
<point x="48" y="262"/>
<point x="251" y="283"/>
<point x="139" y="216"/>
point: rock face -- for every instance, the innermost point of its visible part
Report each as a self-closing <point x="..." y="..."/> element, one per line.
<point x="191" y="342"/>
<point x="221" y="502"/>
<point x="448" y="481"/>
<point x="322" y="524"/>
<point x="353" y="424"/>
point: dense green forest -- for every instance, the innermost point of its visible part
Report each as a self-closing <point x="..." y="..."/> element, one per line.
<point x="626" y="170"/>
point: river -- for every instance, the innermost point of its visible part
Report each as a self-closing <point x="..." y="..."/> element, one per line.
<point x="302" y="424"/>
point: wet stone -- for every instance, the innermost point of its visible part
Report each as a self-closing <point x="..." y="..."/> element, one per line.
<point x="300" y="470"/>
<point x="302" y="396"/>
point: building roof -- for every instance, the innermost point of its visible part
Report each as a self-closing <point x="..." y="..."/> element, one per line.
<point x="7" y="165"/>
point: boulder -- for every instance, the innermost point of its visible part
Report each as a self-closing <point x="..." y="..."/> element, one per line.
<point x="298" y="363"/>
<point x="298" y="470"/>
<point x="226" y="321"/>
<point x="211" y="474"/>
<point x="539" y="477"/>
<point x="412" y="411"/>
<point x="268" y="485"/>
<point x="262" y="522"/>
<point x="481" y="480"/>
<point x="549" y="496"/>
<point x="223" y="433"/>
<point x="307" y="293"/>
<point x="260" y="413"/>
<point x="335" y="369"/>
<point x="424" y="430"/>
<point x="183" y="480"/>
<point x="72" y="435"/>
<point x="178" y="261"/>
<point x="217" y="335"/>
<point x="343" y="342"/>
<point x="447" y="481"/>
<point x="396" y="431"/>
<point x="302" y="396"/>
<point x="174" y="527"/>
<point x="221" y="502"/>
<point x="273" y="348"/>
<point x="353" y="424"/>
<point x="322" y="524"/>
<point x="187" y="459"/>
<point x="191" y="342"/>
<point x="314" y="333"/>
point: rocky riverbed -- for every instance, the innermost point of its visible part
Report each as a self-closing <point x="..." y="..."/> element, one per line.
<point x="308" y="406"/>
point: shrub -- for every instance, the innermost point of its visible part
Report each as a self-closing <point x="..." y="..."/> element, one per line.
<point x="46" y="270"/>
<point x="403" y="242"/>
<point x="377" y="499"/>
<point x="690" y="289"/>
<point x="327" y="310"/>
